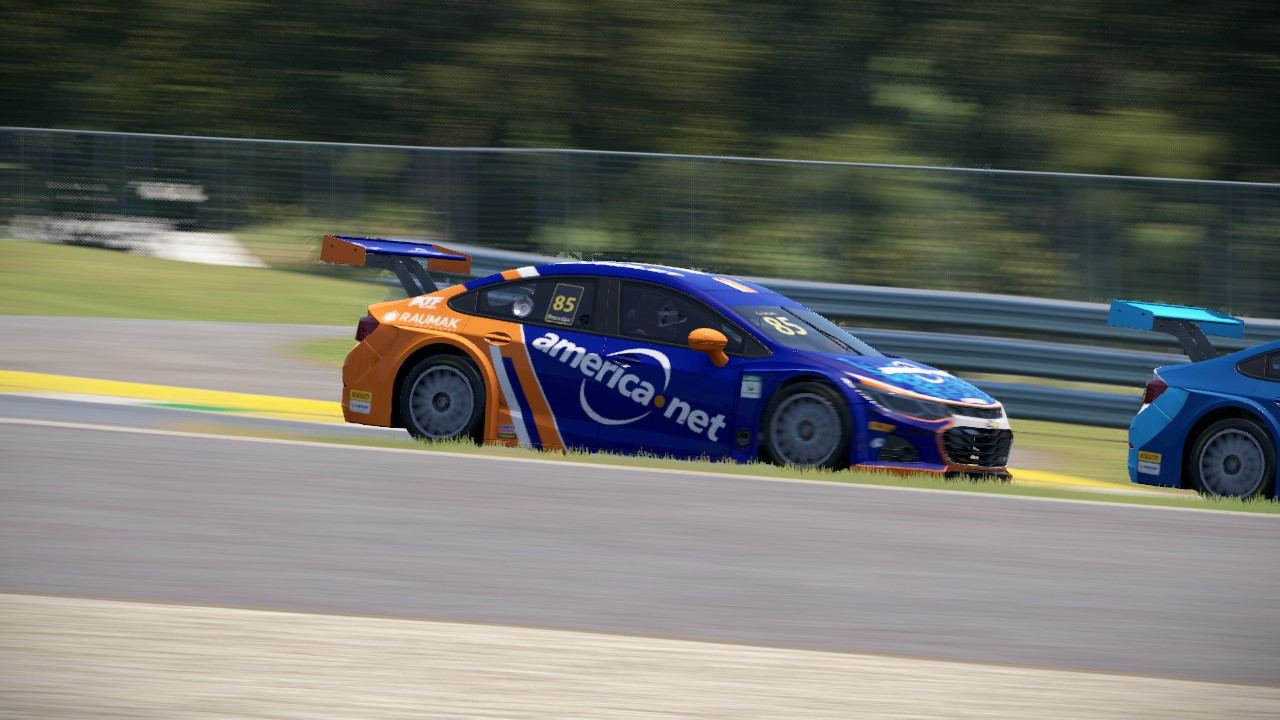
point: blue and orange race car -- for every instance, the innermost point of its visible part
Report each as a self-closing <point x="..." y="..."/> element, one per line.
<point x="630" y="357"/>
<point x="1212" y="425"/>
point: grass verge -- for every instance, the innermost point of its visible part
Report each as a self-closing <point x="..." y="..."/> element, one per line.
<point x="1096" y="453"/>
<point x="923" y="481"/>
<point x="47" y="279"/>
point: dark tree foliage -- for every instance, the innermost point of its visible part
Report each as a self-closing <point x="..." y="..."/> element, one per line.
<point x="1164" y="88"/>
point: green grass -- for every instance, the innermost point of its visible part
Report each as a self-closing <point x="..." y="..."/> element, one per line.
<point x="45" y="279"/>
<point x="287" y="245"/>
<point x="1085" y="451"/>
<point x="761" y="470"/>
<point x="293" y="242"/>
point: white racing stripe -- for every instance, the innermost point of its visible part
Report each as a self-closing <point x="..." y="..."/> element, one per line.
<point x="517" y="417"/>
<point x="527" y="272"/>
<point x="1001" y="423"/>
<point x="832" y="486"/>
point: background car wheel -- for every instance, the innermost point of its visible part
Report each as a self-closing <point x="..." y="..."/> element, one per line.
<point x="1233" y="458"/>
<point x="442" y="398"/>
<point x="807" y="425"/>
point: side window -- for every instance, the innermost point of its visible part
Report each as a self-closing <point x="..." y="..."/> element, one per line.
<point x="1263" y="367"/>
<point x="566" y="302"/>
<point x="659" y="314"/>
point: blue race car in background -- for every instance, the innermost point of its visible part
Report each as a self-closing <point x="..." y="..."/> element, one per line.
<point x="1212" y="425"/>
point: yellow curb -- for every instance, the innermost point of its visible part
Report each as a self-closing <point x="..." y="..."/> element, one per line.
<point x="1044" y="478"/>
<point x="269" y="406"/>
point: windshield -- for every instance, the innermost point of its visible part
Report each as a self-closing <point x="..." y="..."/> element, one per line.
<point x="802" y="329"/>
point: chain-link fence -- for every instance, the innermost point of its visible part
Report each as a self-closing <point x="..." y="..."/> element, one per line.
<point x="1044" y="234"/>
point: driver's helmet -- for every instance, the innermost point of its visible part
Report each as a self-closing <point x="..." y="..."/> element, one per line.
<point x="668" y="314"/>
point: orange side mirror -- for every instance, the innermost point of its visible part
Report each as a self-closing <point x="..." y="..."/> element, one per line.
<point x="711" y="342"/>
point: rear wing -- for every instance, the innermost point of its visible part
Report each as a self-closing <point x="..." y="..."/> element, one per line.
<point x="402" y="257"/>
<point x="1191" y="325"/>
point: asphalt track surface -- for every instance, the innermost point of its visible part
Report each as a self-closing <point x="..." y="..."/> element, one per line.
<point x="846" y="568"/>
<point x="236" y="357"/>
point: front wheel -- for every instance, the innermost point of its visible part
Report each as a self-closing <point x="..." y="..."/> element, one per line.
<point x="807" y="425"/>
<point x="442" y="398"/>
<point x="1233" y="458"/>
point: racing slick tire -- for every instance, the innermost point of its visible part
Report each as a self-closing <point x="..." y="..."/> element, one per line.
<point x="1233" y="458"/>
<point x="442" y="398"/>
<point x="807" y="424"/>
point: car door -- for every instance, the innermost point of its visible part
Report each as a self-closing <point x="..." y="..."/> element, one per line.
<point x="542" y="374"/>
<point x="668" y="399"/>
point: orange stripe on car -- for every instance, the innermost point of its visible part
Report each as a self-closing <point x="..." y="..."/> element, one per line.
<point x="543" y="417"/>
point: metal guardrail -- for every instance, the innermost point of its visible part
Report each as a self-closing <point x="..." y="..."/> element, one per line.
<point x="952" y="311"/>
<point x="1058" y="361"/>
<point x="1034" y="402"/>
<point x="1071" y="361"/>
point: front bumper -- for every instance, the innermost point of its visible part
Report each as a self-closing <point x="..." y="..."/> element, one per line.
<point x="955" y="447"/>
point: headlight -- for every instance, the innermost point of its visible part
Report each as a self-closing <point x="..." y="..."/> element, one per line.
<point x="904" y="404"/>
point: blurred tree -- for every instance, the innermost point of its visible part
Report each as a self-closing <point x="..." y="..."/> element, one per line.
<point x="985" y="83"/>
<point x="1172" y="88"/>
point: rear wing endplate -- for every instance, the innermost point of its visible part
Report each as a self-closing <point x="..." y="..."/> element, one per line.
<point x="1190" y="325"/>
<point x="402" y="257"/>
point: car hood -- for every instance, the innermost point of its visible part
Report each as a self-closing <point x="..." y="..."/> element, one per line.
<point x="913" y="377"/>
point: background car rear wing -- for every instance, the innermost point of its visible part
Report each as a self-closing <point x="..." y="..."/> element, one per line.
<point x="402" y="257"/>
<point x="1189" y="324"/>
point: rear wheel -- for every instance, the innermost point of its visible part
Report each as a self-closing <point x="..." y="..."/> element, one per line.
<point x="1233" y="458"/>
<point x="442" y="398"/>
<point x="807" y="425"/>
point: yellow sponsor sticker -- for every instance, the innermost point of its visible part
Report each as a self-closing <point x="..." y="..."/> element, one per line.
<point x="361" y="401"/>
<point x="880" y="427"/>
<point x="1145" y="456"/>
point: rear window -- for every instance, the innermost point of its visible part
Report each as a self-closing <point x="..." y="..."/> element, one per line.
<point x="1263" y="367"/>
<point x="556" y="301"/>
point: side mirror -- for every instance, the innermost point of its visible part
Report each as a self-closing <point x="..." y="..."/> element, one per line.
<point x="711" y="342"/>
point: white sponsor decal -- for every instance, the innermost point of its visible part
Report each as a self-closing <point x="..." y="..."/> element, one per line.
<point x="1148" y="468"/>
<point x="390" y="317"/>
<point x="435" y="322"/>
<point x="629" y="385"/>
<point x="1001" y="423"/>
<point x="751" y="387"/>
<point x="425" y="302"/>
<point x="902" y="367"/>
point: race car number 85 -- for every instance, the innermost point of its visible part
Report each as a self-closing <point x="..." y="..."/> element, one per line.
<point x="785" y="326"/>
<point x="565" y="302"/>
